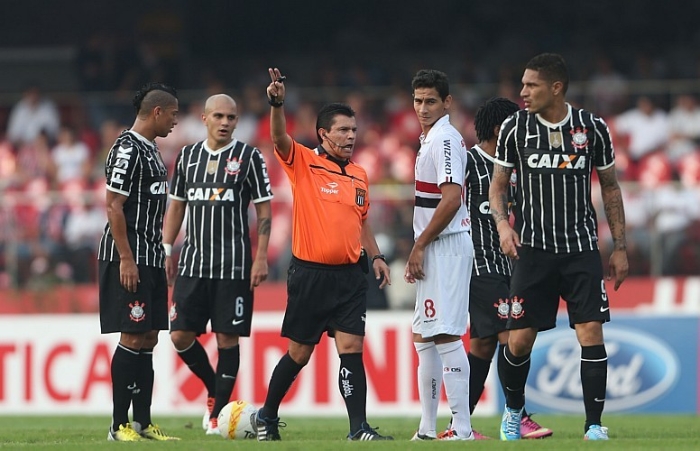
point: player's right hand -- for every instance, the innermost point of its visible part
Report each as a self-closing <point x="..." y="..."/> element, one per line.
<point x="129" y="274"/>
<point x="170" y="270"/>
<point x="510" y="241"/>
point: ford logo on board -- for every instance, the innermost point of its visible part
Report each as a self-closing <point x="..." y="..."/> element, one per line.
<point x="641" y="368"/>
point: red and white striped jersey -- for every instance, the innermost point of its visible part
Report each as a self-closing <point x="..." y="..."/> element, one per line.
<point x="442" y="158"/>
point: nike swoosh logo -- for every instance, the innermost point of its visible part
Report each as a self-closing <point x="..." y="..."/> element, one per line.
<point x="132" y="386"/>
<point x="482" y="176"/>
<point x="192" y="164"/>
<point x="236" y="322"/>
<point x="531" y="136"/>
<point x="227" y="376"/>
<point x="599" y="400"/>
<point x="604" y="309"/>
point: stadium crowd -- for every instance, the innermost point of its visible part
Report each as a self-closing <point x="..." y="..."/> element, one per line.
<point x="53" y="148"/>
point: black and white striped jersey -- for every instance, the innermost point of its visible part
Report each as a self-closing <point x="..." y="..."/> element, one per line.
<point x="488" y="257"/>
<point x="135" y="169"/>
<point x="218" y="186"/>
<point x="554" y="163"/>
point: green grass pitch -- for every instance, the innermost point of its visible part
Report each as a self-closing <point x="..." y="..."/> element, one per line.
<point x="627" y="432"/>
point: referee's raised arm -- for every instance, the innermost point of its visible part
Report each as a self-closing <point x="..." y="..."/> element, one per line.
<point x="278" y="123"/>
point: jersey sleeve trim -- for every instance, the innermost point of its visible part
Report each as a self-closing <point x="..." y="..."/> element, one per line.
<point x="118" y="191"/>
<point x="600" y="168"/>
<point x="262" y="199"/>
<point x="172" y="196"/>
<point x="504" y="163"/>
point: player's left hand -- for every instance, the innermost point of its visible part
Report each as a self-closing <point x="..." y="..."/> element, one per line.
<point x="414" y="266"/>
<point x="258" y="273"/>
<point x="381" y="269"/>
<point x="618" y="267"/>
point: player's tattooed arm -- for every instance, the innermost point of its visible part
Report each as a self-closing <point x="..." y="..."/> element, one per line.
<point x="498" y="193"/>
<point x="614" y="208"/>
<point x="264" y="225"/>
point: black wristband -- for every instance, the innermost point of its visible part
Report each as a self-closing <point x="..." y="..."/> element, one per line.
<point x="275" y="103"/>
<point x="379" y="256"/>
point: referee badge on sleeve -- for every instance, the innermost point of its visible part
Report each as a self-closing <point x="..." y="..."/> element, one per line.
<point x="360" y="195"/>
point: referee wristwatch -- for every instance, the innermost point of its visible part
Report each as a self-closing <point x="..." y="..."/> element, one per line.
<point x="379" y="256"/>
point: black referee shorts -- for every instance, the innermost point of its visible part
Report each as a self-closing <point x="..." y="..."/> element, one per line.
<point x="540" y="278"/>
<point x="140" y="312"/>
<point x="324" y="298"/>
<point x="488" y="304"/>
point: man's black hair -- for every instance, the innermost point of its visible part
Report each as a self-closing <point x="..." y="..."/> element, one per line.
<point x="551" y="67"/>
<point x="431" y="78"/>
<point x="492" y="114"/>
<point x="326" y="116"/>
<point x="155" y="99"/>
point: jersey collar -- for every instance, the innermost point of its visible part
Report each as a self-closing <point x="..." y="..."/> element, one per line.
<point x="560" y="123"/>
<point x="434" y="129"/>
<point x="320" y="151"/>
<point x="142" y="138"/>
<point x="218" y="151"/>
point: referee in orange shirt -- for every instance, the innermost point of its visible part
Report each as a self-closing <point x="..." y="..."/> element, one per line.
<point x="326" y="285"/>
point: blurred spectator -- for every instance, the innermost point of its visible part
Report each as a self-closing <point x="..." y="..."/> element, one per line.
<point x="644" y="129"/>
<point x="8" y="164"/>
<point x="71" y="157"/>
<point x="34" y="160"/>
<point x="673" y="210"/>
<point x="689" y="170"/>
<point x="109" y="131"/>
<point x="32" y="114"/>
<point x="607" y="89"/>
<point x="305" y="125"/>
<point x="684" y="127"/>
<point x="250" y="110"/>
<point x="83" y="229"/>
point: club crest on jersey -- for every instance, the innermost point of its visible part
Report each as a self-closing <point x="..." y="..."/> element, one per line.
<point x="212" y="165"/>
<point x="516" y="308"/>
<point x="173" y="312"/>
<point x="579" y="137"/>
<point x="555" y="139"/>
<point x="137" y="314"/>
<point x="233" y="166"/>
<point x="513" y="178"/>
<point x="503" y="308"/>
<point x="360" y="195"/>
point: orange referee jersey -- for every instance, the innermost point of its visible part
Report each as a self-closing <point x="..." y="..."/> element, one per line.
<point x="330" y="204"/>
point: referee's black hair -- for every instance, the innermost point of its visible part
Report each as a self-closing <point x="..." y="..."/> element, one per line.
<point x="154" y="94"/>
<point x="431" y="78"/>
<point x="492" y="114"/>
<point x="327" y="114"/>
<point x="551" y="67"/>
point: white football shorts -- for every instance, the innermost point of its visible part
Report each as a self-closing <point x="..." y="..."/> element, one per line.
<point x="442" y="297"/>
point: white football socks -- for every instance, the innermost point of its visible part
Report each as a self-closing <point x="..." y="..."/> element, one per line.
<point x="455" y="376"/>
<point x="429" y="386"/>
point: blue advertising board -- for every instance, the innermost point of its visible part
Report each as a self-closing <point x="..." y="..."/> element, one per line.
<point x="652" y="366"/>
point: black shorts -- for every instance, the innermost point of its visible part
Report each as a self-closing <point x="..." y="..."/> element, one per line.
<point x="227" y="303"/>
<point x="324" y="298"/>
<point x="134" y="313"/>
<point x="540" y="278"/>
<point x="488" y="304"/>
